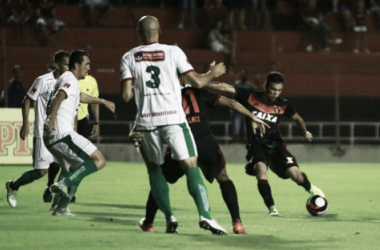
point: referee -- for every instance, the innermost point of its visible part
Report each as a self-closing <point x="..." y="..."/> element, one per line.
<point x="88" y="86"/>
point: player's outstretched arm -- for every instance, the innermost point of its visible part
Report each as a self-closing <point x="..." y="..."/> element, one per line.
<point x="200" y="80"/>
<point x="95" y="113"/>
<point x="24" y="131"/>
<point x="127" y="90"/>
<point x="300" y="123"/>
<point x="84" y="98"/>
<point x="52" y="112"/>
<point x="221" y="88"/>
<point x="257" y="124"/>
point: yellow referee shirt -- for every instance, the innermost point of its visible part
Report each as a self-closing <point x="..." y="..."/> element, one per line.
<point x="89" y="86"/>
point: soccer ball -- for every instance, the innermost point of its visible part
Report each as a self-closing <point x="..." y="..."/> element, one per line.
<point x="317" y="205"/>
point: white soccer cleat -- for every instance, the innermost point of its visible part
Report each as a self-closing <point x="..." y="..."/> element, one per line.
<point x="211" y="225"/>
<point x="273" y="211"/>
<point x="61" y="189"/>
<point x="62" y="211"/>
<point x="314" y="190"/>
<point x="11" y="194"/>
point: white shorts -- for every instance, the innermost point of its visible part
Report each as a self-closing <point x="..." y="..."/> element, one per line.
<point x="42" y="158"/>
<point x="217" y="46"/>
<point x="178" y="137"/>
<point x="70" y="149"/>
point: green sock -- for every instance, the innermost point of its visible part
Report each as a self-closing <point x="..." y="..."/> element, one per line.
<point x="65" y="203"/>
<point x="26" y="178"/>
<point x="198" y="190"/>
<point x="86" y="168"/>
<point x="160" y="190"/>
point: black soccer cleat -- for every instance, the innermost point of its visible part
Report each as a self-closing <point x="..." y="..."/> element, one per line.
<point x="172" y="226"/>
<point x="47" y="196"/>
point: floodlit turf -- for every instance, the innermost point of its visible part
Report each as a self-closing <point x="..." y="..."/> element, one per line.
<point x="111" y="202"/>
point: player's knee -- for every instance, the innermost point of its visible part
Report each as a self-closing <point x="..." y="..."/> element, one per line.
<point x="222" y="177"/>
<point x="42" y="172"/>
<point x="98" y="158"/>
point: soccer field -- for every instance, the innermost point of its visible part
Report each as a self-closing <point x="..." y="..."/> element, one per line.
<point x="111" y="203"/>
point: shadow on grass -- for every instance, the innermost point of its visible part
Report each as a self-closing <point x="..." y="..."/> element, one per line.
<point x="122" y="206"/>
<point x="254" y="241"/>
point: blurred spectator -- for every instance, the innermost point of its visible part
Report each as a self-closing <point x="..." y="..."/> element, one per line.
<point x="286" y="15"/>
<point x="315" y="25"/>
<point x="16" y="89"/>
<point x="95" y="11"/>
<point x="360" y="29"/>
<point x="218" y="42"/>
<point x="187" y="8"/>
<point x="47" y="23"/>
<point x="21" y="11"/>
<point x="260" y="14"/>
<point x="215" y="12"/>
<point x="240" y="7"/>
<point x="374" y="8"/>
<point x="346" y="10"/>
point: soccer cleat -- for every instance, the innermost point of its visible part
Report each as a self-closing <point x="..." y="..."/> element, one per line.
<point x="316" y="190"/>
<point x="47" y="195"/>
<point x="238" y="227"/>
<point x="60" y="189"/>
<point x="273" y="211"/>
<point x="54" y="207"/>
<point x="145" y="226"/>
<point x="172" y="226"/>
<point x="211" y="225"/>
<point x="62" y="211"/>
<point x="74" y="199"/>
<point x="11" y="194"/>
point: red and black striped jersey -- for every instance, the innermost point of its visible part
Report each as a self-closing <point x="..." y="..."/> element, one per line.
<point x="269" y="112"/>
<point x="195" y="103"/>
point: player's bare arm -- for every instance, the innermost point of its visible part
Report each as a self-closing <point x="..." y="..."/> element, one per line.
<point x="95" y="113"/>
<point x="127" y="90"/>
<point x="200" y="80"/>
<point x="25" y="118"/>
<point x="221" y="88"/>
<point x="257" y="124"/>
<point x="84" y="98"/>
<point x="52" y="115"/>
<point x="300" y="123"/>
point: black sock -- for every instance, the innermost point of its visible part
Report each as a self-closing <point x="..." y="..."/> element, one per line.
<point x="151" y="209"/>
<point x="265" y="192"/>
<point x="230" y="198"/>
<point x="52" y="173"/>
<point x="306" y="183"/>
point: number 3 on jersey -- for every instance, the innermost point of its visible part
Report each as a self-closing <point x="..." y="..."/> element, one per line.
<point x="155" y="81"/>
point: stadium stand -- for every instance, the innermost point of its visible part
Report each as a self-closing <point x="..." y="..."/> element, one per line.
<point x="310" y="75"/>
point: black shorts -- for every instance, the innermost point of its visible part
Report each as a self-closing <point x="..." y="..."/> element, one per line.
<point x="278" y="159"/>
<point x="210" y="160"/>
<point x="83" y="128"/>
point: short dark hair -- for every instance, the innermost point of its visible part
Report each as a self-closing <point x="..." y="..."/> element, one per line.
<point x="274" y="77"/>
<point x="76" y="56"/>
<point x="59" y="55"/>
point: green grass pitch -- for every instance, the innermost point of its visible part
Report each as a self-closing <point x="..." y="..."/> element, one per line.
<point x="111" y="202"/>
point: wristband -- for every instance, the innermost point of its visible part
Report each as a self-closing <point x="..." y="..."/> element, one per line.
<point x="97" y="123"/>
